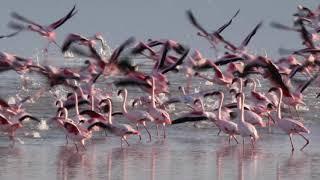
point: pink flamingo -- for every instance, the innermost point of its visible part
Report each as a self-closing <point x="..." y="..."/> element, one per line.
<point x="45" y="31"/>
<point x="11" y="124"/>
<point x="73" y="131"/>
<point x="160" y="116"/>
<point x="219" y="77"/>
<point x="122" y="130"/>
<point x="289" y="125"/>
<point x="245" y="129"/>
<point x="224" y="125"/>
<point x="14" y="62"/>
<point x="135" y="116"/>
<point x="259" y="101"/>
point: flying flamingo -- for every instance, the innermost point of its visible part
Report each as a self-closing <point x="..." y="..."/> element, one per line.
<point x="289" y="125"/>
<point x="45" y="31"/>
<point x="219" y="78"/>
<point x="135" y="116"/>
<point x="11" y="124"/>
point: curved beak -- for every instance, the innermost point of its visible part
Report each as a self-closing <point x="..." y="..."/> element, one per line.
<point x="30" y="117"/>
<point x="119" y="92"/>
<point x="273" y="89"/>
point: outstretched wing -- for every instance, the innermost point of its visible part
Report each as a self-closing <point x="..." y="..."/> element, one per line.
<point x="61" y="21"/>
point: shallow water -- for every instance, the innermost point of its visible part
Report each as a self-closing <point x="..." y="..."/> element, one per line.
<point x="189" y="152"/>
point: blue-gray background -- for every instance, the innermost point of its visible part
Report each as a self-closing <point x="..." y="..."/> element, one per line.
<point x="119" y="19"/>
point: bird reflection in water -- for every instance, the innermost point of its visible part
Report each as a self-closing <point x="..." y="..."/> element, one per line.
<point x="245" y="158"/>
<point x="70" y="163"/>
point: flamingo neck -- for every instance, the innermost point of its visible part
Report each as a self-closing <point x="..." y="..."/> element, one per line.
<point x="241" y="85"/>
<point x="76" y="103"/>
<point x="81" y="92"/>
<point x="279" y="104"/>
<point x="153" y="94"/>
<point x="65" y="114"/>
<point x="183" y="90"/>
<point x="242" y="107"/>
<point x="60" y="103"/>
<point x="254" y="86"/>
<point x="201" y="105"/>
<point x="239" y="103"/>
<point x="220" y="105"/>
<point x="92" y="102"/>
<point x="124" y="108"/>
<point x="110" y="112"/>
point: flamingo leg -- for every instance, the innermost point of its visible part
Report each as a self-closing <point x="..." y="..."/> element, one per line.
<point x="157" y="130"/>
<point x="137" y="126"/>
<point x="252" y="141"/>
<point x="121" y="141"/>
<point x="144" y="125"/>
<point x="140" y="138"/>
<point x="307" y="141"/>
<point x="67" y="139"/>
<point x="292" y="148"/>
<point x="243" y="143"/>
<point x="46" y="48"/>
<point x="83" y="146"/>
<point x="164" y="130"/>
<point x="189" y="81"/>
<point x="219" y="132"/>
<point x="235" y="139"/>
<point x="12" y="139"/>
<point x="76" y="147"/>
<point x="125" y="139"/>
<point x="297" y="113"/>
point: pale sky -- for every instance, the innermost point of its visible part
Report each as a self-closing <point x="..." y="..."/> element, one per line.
<point x="119" y="19"/>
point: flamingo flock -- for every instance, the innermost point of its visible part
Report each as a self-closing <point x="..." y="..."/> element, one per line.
<point x="240" y="113"/>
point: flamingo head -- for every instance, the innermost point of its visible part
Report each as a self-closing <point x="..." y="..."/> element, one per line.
<point x="248" y="81"/>
<point x="120" y="92"/>
<point x="270" y="106"/>
<point x="197" y="55"/>
<point x="98" y="36"/>
<point x="196" y="101"/>
<point x="233" y="91"/>
<point x="235" y="80"/>
<point x="273" y="89"/>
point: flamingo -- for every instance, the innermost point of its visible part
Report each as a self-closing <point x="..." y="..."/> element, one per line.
<point x="288" y="125"/>
<point x="259" y="101"/>
<point x="12" y="123"/>
<point x="219" y="78"/>
<point x="74" y="131"/>
<point x="122" y="130"/>
<point x="13" y="62"/>
<point x="45" y="31"/>
<point x="228" y="127"/>
<point x="160" y="116"/>
<point x="245" y="129"/>
<point x="135" y="116"/>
